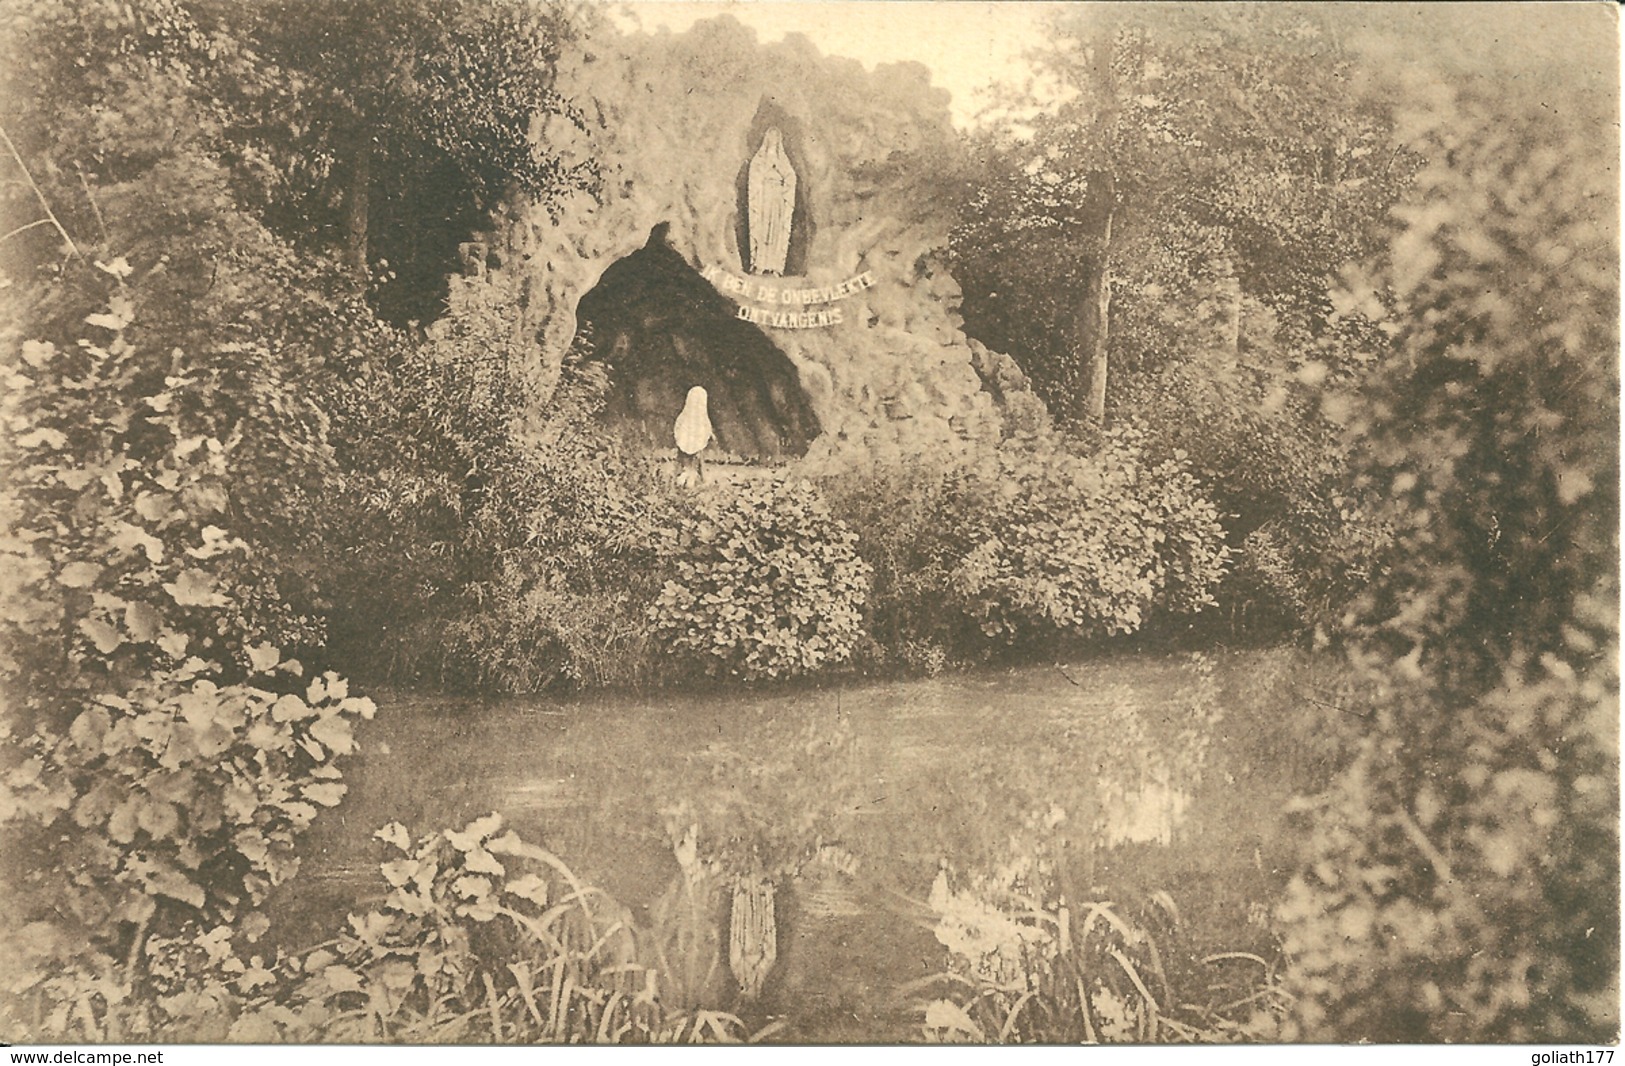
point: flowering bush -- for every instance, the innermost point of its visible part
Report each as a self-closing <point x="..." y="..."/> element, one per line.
<point x="768" y="584"/>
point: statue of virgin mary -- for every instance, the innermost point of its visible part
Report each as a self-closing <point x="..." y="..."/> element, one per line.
<point x="772" y="201"/>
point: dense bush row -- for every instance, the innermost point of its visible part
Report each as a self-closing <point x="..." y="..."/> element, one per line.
<point x="1038" y="542"/>
<point x="1029" y="546"/>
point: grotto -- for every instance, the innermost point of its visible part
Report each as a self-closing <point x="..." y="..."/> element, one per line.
<point x="767" y="227"/>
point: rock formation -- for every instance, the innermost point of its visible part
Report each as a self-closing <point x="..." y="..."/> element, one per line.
<point x="879" y="365"/>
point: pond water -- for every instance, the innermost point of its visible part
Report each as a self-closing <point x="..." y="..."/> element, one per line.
<point x="1135" y="774"/>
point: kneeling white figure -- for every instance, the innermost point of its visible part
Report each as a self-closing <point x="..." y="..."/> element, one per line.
<point x="694" y="434"/>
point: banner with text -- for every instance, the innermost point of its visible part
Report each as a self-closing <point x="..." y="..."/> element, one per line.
<point x="760" y="291"/>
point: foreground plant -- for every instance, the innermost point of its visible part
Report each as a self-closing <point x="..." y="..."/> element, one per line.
<point x="160" y="755"/>
<point x="483" y="937"/>
<point x="1030" y="971"/>
<point x="1459" y="880"/>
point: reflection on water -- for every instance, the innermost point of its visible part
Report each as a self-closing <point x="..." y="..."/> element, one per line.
<point x="828" y="812"/>
<point x="1147" y="815"/>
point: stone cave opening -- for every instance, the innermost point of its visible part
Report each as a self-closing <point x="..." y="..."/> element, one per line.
<point x="660" y="328"/>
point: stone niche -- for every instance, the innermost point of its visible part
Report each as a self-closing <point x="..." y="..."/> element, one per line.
<point x="661" y="328"/>
<point x="653" y="271"/>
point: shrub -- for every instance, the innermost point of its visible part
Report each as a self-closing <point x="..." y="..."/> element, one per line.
<point x="1087" y="546"/>
<point x="1302" y="569"/>
<point x="1271" y="462"/>
<point x="170" y="807"/>
<point x="1034" y="542"/>
<point x="768" y="584"/>
<point x="493" y="542"/>
<point x="910" y="525"/>
<point x="567" y="602"/>
<point x="160" y="757"/>
<point x="1474" y="904"/>
<point x="1461" y="879"/>
<point x="133" y="460"/>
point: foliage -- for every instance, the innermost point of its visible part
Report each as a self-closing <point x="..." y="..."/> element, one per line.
<point x="185" y="798"/>
<point x="910" y="523"/>
<point x="1189" y="183"/>
<point x="1303" y="538"/>
<point x="767" y="584"/>
<point x="1041" y="539"/>
<point x="481" y="937"/>
<point x="120" y="120"/>
<point x="492" y="542"/>
<point x="1241" y="158"/>
<point x="1088" y="546"/>
<point x="131" y="477"/>
<point x="568" y="601"/>
<point x="394" y="127"/>
<point x="1461" y="878"/>
<point x="1474" y="904"/>
<point x="387" y="131"/>
<point x="161" y="758"/>
<point x="1036" y="971"/>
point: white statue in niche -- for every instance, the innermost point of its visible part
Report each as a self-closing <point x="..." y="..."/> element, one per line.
<point x="772" y="201"/>
<point x="693" y="433"/>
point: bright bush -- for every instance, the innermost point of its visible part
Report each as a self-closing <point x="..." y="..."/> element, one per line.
<point x="767" y="583"/>
<point x="1087" y="545"/>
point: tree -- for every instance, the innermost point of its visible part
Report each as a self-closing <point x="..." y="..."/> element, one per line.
<point x="399" y="124"/>
<point x="1166" y="158"/>
<point x="1172" y="202"/>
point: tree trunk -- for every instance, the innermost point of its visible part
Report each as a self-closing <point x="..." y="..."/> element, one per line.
<point x="1095" y="312"/>
<point x="355" y="221"/>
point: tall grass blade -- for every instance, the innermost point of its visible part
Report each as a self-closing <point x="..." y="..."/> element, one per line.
<point x="1089" y="1035"/>
<point x="1009" y="1025"/>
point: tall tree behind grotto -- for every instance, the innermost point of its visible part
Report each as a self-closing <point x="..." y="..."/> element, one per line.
<point x="1160" y="158"/>
<point x="400" y="124"/>
<point x="1161" y="215"/>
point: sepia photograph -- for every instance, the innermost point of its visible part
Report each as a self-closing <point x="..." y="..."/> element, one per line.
<point x="808" y="522"/>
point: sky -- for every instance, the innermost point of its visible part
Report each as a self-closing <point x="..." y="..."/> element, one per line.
<point x="970" y="45"/>
<point x="967" y="45"/>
